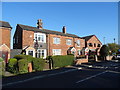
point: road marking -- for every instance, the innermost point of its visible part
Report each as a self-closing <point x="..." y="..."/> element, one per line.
<point x="91" y="77"/>
<point x="113" y="71"/>
<point x="37" y="77"/>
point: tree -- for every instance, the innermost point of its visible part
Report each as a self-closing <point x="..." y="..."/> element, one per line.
<point x="113" y="48"/>
<point x="104" y="51"/>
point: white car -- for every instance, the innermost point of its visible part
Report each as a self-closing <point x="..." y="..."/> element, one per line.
<point x="118" y="56"/>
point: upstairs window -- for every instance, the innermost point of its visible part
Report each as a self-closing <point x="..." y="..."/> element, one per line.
<point x="40" y="37"/>
<point x="94" y="44"/>
<point x="90" y="44"/>
<point x="98" y="45"/>
<point x="68" y="41"/>
<point x="78" y="43"/>
<point x="56" y="40"/>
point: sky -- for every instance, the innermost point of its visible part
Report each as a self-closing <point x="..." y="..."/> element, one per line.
<point x="80" y="18"/>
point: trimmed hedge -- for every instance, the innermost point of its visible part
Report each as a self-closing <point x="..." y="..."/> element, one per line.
<point x="38" y="64"/>
<point x="12" y="65"/>
<point x="23" y="66"/>
<point x="62" y="60"/>
<point x="29" y="58"/>
<point x="2" y="67"/>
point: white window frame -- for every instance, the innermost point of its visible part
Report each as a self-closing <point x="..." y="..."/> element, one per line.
<point x="30" y="50"/>
<point x="68" y="41"/>
<point x="42" y="35"/>
<point x="56" y="40"/>
<point x="78" y="42"/>
<point x="41" y="53"/>
<point x="56" y="51"/>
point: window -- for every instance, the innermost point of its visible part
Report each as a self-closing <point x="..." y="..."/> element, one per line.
<point x="94" y="44"/>
<point x="56" y="51"/>
<point x="14" y="40"/>
<point x="40" y="37"/>
<point x="30" y="53"/>
<point x="98" y="45"/>
<point x="41" y="53"/>
<point x="78" y="43"/>
<point x="56" y="40"/>
<point x="90" y="44"/>
<point x="68" y="41"/>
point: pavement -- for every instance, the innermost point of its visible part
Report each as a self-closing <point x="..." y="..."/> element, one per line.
<point x="87" y="75"/>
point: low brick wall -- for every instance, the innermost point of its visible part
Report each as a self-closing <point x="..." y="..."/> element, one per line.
<point x="109" y="57"/>
<point x="79" y="61"/>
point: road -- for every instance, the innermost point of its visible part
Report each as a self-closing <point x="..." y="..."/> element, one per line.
<point x="91" y="75"/>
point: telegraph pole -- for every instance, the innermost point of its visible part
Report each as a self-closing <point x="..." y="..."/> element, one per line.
<point x="114" y="40"/>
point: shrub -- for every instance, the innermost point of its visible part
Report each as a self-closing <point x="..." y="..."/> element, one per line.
<point x="29" y="58"/>
<point x="12" y="65"/>
<point x="104" y="51"/>
<point x="23" y="66"/>
<point x="38" y="64"/>
<point x="62" y="60"/>
<point x="2" y="67"/>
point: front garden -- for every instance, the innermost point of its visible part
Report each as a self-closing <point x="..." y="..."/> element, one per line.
<point x="22" y="64"/>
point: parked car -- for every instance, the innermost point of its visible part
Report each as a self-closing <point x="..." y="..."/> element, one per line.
<point x="118" y="56"/>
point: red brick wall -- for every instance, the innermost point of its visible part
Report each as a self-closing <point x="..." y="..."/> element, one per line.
<point x="62" y="44"/>
<point x="93" y="40"/>
<point x="27" y="37"/>
<point x="6" y="35"/>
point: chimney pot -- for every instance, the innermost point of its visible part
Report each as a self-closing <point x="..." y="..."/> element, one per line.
<point x="39" y="24"/>
<point x="64" y="29"/>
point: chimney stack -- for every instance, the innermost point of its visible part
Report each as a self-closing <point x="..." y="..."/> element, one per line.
<point x="64" y="29"/>
<point x="39" y="24"/>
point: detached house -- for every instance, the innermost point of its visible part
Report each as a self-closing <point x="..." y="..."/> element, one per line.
<point x="93" y="44"/>
<point x="40" y="42"/>
<point x="5" y="31"/>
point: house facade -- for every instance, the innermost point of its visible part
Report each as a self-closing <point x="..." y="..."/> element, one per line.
<point x="40" y="42"/>
<point x="93" y="44"/>
<point x="5" y="38"/>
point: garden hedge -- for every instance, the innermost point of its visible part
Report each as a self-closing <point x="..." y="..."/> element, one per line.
<point x="2" y="67"/>
<point x="12" y="65"/>
<point x="29" y="58"/>
<point x="23" y="66"/>
<point x="62" y="60"/>
<point x="38" y="64"/>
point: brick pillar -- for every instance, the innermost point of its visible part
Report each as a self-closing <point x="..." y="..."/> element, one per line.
<point x="29" y="67"/>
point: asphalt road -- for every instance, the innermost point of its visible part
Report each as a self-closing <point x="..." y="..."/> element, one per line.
<point x="91" y="75"/>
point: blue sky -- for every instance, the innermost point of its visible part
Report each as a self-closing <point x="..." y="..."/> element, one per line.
<point x="80" y="18"/>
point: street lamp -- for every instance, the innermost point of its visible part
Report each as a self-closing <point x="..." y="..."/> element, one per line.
<point x="114" y="40"/>
<point x="36" y="46"/>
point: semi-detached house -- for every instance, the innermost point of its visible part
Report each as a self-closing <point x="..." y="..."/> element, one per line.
<point x="49" y="42"/>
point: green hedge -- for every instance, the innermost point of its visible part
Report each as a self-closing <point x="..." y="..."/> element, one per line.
<point x="29" y="58"/>
<point x="62" y="60"/>
<point x="2" y="67"/>
<point x="12" y="65"/>
<point x="38" y="64"/>
<point x="23" y="66"/>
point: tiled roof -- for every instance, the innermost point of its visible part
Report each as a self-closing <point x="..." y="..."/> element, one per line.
<point x="25" y="27"/>
<point x="5" y="24"/>
<point x="87" y="37"/>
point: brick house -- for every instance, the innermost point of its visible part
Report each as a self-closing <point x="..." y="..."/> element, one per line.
<point x="5" y="35"/>
<point x="40" y="42"/>
<point x="93" y="44"/>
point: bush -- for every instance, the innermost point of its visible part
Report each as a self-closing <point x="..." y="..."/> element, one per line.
<point x="2" y="67"/>
<point x="12" y="65"/>
<point x="29" y="58"/>
<point x="62" y="60"/>
<point x="23" y="66"/>
<point x="38" y="64"/>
